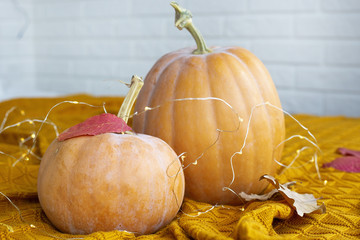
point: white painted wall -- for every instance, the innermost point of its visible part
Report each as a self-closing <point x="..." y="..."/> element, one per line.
<point x="311" y="47"/>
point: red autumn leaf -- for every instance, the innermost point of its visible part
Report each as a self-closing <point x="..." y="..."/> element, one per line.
<point x="348" y="152"/>
<point x="349" y="163"/>
<point x="99" y="124"/>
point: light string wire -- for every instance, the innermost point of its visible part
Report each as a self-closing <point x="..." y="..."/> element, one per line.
<point x="314" y="143"/>
<point x="198" y="212"/>
<point x="33" y="137"/>
<point x="182" y="155"/>
<point x="228" y="188"/>
<point x="240" y="120"/>
<point x="219" y="131"/>
<point x="8" y="112"/>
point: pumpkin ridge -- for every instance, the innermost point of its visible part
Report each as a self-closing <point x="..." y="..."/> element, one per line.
<point x="229" y="61"/>
<point x="270" y="119"/>
<point x="71" y="201"/>
<point x="215" y="119"/>
<point x="149" y="86"/>
<point x="249" y="71"/>
<point x="174" y="87"/>
<point x="151" y="95"/>
<point x="246" y="110"/>
<point x="241" y="90"/>
<point x="166" y="200"/>
<point x="240" y="159"/>
<point x="269" y="87"/>
<point x="181" y="94"/>
<point x="266" y="111"/>
<point x="254" y="80"/>
<point x="252" y="75"/>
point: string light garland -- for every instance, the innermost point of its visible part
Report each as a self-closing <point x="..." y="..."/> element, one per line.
<point x="313" y="142"/>
<point x="34" y="135"/>
<point x="29" y="151"/>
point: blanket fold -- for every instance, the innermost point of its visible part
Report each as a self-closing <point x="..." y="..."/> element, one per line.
<point x="21" y="216"/>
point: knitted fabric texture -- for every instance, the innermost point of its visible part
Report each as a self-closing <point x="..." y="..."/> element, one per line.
<point x="272" y="219"/>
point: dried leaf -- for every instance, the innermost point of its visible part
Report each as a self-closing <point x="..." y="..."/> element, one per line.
<point x="349" y="163"/>
<point x="303" y="203"/>
<point x="99" y="124"/>
<point x="262" y="197"/>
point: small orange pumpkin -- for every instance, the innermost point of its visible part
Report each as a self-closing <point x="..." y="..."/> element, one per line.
<point x="239" y="78"/>
<point x="131" y="182"/>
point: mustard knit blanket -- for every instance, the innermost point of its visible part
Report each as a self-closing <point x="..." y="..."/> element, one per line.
<point x="21" y="216"/>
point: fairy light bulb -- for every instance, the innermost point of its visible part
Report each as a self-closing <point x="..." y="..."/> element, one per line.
<point x="182" y="158"/>
<point x="9" y="228"/>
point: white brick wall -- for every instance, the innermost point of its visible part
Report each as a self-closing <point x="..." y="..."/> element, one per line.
<point x="311" y="47"/>
<point x="16" y="55"/>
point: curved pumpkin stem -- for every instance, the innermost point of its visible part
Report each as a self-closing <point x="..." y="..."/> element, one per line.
<point x="183" y="19"/>
<point x="135" y="87"/>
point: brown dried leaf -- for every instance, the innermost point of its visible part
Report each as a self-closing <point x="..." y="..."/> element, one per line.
<point x="303" y="203"/>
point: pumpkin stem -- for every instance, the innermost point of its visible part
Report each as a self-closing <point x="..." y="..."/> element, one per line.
<point x="125" y="109"/>
<point x="183" y="19"/>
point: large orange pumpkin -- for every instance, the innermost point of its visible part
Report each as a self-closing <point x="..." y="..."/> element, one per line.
<point x="131" y="182"/>
<point x="239" y="78"/>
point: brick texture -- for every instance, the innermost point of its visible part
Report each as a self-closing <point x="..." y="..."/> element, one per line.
<point x="311" y="47"/>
